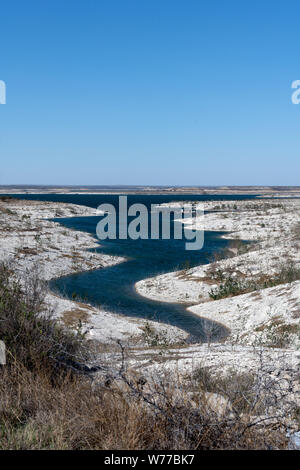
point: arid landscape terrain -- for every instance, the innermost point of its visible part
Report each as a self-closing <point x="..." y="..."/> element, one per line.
<point x="252" y="289"/>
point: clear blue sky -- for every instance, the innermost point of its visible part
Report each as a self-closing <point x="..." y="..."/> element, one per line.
<point x="150" y="92"/>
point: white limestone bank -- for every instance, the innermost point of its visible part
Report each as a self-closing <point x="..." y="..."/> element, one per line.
<point x="269" y="316"/>
<point x="33" y="243"/>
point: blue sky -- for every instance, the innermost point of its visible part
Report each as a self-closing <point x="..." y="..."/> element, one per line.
<point x="149" y="92"/>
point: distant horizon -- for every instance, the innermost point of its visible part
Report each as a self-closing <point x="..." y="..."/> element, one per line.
<point x="146" y="186"/>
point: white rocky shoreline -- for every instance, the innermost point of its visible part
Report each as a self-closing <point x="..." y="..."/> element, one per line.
<point x="272" y="227"/>
<point x="32" y="242"/>
<point x="29" y="238"/>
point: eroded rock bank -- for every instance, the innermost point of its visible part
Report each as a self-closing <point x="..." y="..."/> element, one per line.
<point x="35" y="244"/>
<point x="255" y="290"/>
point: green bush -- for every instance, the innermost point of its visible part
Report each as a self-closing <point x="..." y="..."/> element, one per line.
<point x="232" y="286"/>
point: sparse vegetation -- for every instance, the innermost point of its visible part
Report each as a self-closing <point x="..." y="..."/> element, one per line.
<point x="32" y="339"/>
<point x="47" y="402"/>
<point x="231" y="286"/>
<point x="152" y="337"/>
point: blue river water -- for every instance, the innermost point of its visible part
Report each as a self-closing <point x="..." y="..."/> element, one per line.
<point x="112" y="288"/>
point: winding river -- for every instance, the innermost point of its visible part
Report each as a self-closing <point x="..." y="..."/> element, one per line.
<point x="113" y="288"/>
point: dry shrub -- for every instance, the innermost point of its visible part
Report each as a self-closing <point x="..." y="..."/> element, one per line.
<point x="35" y="414"/>
<point x="34" y="339"/>
<point x="231" y="286"/>
<point x="45" y="405"/>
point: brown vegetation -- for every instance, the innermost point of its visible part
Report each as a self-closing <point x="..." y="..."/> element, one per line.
<point x="49" y="400"/>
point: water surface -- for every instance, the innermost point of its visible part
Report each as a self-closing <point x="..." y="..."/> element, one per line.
<point x="112" y="288"/>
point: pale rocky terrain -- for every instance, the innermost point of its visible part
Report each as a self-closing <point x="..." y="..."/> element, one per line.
<point x="33" y="243"/>
<point x="263" y="325"/>
<point x="256" y="317"/>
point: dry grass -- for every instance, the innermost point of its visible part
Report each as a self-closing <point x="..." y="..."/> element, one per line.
<point x="74" y="317"/>
<point x="37" y="414"/>
<point x="49" y="402"/>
